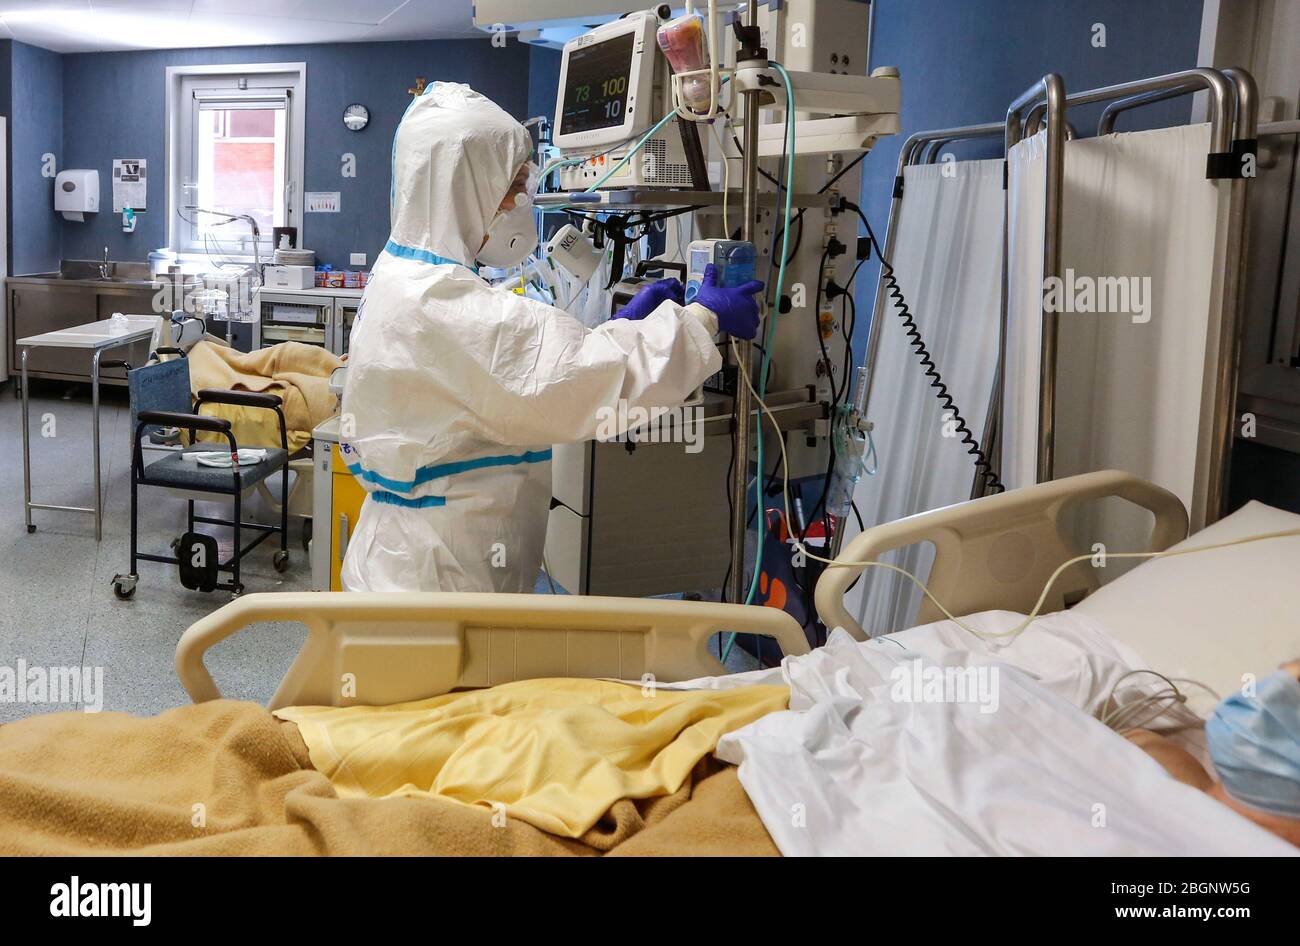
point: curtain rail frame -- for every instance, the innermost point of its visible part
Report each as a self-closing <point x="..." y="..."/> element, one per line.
<point x="1234" y="103"/>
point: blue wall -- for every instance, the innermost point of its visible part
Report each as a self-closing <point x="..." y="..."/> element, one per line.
<point x="962" y="62"/>
<point x="35" y="129"/>
<point x="115" y="108"/>
<point x="543" y="81"/>
<point x="6" y="106"/>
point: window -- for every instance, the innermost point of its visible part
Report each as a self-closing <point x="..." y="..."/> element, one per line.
<point x="234" y="152"/>
<point x="239" y="165"/>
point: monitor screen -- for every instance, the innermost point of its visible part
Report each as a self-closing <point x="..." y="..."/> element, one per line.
<point x="595" y="91"/>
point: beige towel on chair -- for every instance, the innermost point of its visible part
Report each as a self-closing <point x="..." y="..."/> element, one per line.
<point x="298" y="373"/>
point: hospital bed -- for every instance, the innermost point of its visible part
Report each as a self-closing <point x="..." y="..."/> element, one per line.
<point x="401" y="647"/>
<point x="1205" y="616"/>
<point x="1211" y="616"/>
<point x="995" y="552"/>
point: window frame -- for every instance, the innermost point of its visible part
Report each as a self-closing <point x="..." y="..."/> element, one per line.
<point x="188" y="89"/>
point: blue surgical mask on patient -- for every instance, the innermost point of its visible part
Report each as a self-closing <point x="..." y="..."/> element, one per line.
<point x="1255" y="744"/>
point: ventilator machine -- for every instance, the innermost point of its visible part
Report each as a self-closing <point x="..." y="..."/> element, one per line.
<point x="729" y="134"/>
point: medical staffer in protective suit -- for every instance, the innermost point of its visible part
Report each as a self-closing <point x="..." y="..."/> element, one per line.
<point x="456" y="390"/>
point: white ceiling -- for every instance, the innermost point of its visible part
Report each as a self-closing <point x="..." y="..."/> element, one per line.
<point x="69" y="26"/>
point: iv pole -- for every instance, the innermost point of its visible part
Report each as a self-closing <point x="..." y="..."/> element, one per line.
<point x="736" y="585"/>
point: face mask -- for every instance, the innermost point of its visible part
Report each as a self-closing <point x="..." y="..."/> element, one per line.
<point x="1255" y="745"/>
<point x="513" y="233"/>
<point x="510" y="239"/>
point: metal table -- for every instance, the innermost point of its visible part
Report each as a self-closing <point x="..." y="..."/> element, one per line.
<point x="98" y="337"/>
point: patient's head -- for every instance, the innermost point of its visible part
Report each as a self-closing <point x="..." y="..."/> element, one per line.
<point x="1254" y="741"/>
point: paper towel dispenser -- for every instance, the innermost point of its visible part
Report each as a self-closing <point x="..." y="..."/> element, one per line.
<point x="76" y="193"/>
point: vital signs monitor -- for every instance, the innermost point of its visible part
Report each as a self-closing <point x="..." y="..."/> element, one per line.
<point x="607" y="84"/>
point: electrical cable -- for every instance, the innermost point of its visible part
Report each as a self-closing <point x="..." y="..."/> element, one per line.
<point x="861" y="528"/>
<point x="682" y="240"/>
<point x="817" y="325"/>
<point x="769" y="482"/>
<point x="848" y="324"/>
<point x="740" y="150"/>
<point x="1121" y="717"/>
<point x="788" y="148"/>
<point x="731" y="509"/>
<point x="836" y="397"/>
<point x="726" y="177"/>
<point x="786" y="159"/>
<point x="836" y="393"/>
<point x="983" y="465"/>
<point x="798" y="218"/>
<point x="798" y="242"/>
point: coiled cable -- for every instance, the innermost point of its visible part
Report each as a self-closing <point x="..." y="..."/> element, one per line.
<point x="983" y="466"/>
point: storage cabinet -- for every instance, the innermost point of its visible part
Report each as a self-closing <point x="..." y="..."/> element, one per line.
<point x="347" y="495"/>
<point x="345" y="313"/>
<point x="642" y="522"/>
<point x="314" y="316"/>
<point x="336" y="506"/>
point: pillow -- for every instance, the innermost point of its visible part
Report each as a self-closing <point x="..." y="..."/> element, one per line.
<point x="1212" y="616"/>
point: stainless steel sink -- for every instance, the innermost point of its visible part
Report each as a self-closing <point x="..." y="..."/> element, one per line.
<point x="94" y="269"/>
<point x="78" y="277"/>
<point x="90" y="273"/>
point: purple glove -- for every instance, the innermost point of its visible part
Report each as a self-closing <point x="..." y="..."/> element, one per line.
<point x="649" y="297"/>
<point x="736" y="309"/>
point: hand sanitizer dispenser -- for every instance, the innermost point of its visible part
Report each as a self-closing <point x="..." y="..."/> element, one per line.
<point x="76" y="193"/>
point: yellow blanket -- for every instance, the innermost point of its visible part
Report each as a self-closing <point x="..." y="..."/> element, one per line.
<point x="554" y="753"/>
<point x="227" y="778"/>
<point x="298" y="373"/>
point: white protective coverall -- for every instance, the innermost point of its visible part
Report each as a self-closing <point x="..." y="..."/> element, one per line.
<point x="455" y="390"/>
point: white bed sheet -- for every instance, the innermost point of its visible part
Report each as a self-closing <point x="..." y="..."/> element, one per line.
<point x="851" y="769"/>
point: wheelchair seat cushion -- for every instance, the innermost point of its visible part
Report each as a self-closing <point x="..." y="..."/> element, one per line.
<point x="178" y="472"/>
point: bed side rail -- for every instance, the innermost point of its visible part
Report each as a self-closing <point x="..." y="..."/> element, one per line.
<point x="997" y="552"/>
<point x="381" y="648"/>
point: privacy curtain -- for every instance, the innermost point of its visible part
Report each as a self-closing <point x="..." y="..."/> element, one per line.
<point x="1133" y="388"/>
<point x="947" y="257"/>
